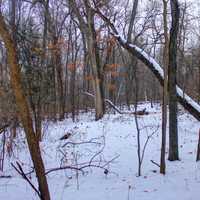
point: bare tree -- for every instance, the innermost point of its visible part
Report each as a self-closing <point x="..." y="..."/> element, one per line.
<point x="87" y="26"/>
<point x="165" y="88"/>
<point x="189" y="104"/>
<point x="23" y="107"/>
<point x="132" y="20"/>
<point x="173" y="129"/>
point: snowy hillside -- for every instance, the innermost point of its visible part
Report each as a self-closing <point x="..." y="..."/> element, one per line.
<point x="100" y="160"/>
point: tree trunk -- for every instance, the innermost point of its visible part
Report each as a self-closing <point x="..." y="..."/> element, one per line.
<point x="132" y="20"/>
<point x="87" y="27"/>
<point x="24" y="111"/>
<point x="98" y="89"/>
<point x="164" y="105"/>
<point x="38" y="122"/>
<point x="172" y="68"/>
<point x="96" y="72"/>
<point x="198" y="148"/>
<point x="61" y="109"/>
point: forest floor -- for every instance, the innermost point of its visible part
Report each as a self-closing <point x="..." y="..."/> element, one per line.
<point x="103" y="155"/>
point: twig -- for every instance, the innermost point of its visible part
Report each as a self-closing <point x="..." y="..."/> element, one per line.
<point x="98" y="153"/>
<point x="147" y="140"/>
<point x="2" y="129"/>
<point x="155" y="163"/>
<point x="5" y="176"/>
<point x="111" y="160"/>
<point x="21" y="172"/>
<point x="63" y="168"/>
<point x="82" y="167"/>
<point x="79" y="143"/>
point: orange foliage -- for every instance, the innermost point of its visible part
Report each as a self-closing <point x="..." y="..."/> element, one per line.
<point x="112" y="41"/>
<point x="57" y="45"/>
<point x="114" y="74"/>
<point x="71" y="66"/>
<point x="114" y="65"/>
<point x="75" y="65"/>
<point x="112" y="87"/>
<point x="111" y="67"/>
<point x="88" y="78"/>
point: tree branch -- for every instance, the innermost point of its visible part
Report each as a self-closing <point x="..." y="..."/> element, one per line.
<point x="187" y="102"/>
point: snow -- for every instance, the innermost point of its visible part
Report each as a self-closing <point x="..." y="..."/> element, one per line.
<point x="187" y="98"/>
<point x="150" y="59"/>
<point x="117" y="135"/>
<point x="159" y="69"/>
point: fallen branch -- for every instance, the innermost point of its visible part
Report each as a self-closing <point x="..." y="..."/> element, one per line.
<point x="112" y="105"/>
<point x="106" y="101"/>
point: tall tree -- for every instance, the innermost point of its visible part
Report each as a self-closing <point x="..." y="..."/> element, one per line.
<point x="131" y="62"/>
<point x="87" y="27"/>
<point x="22" y="104"/>
<point x="172" y="68"/>
<point x="132" y="20"/>
<point x="164" y="105"/>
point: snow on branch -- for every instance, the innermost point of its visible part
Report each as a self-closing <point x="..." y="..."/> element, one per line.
<point x="187" y="102"/>
<point x="183" y="95"/>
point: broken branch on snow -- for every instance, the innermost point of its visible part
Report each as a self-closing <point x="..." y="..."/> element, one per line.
<point x="112" y="105"/>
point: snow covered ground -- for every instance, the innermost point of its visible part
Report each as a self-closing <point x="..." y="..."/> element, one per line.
<point x="112" y="146"/>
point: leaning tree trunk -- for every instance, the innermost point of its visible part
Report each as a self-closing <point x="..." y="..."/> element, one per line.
<point x="172" y="68"/>
<point x="16" y="82"/>
<point x="187" y="102"/>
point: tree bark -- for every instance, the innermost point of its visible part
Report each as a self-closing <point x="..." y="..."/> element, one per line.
<point x="132" y="20"/>
<point x="198" y="148"/>
<point x="97" y="79"/>
<point x="24" y="111"/>
<point x="172" y="68"/>
<point x="88" y="29"/>
<point x="164" y="105"/>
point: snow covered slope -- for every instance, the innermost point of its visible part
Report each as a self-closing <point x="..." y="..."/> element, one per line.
<point x="110" y="144"/>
